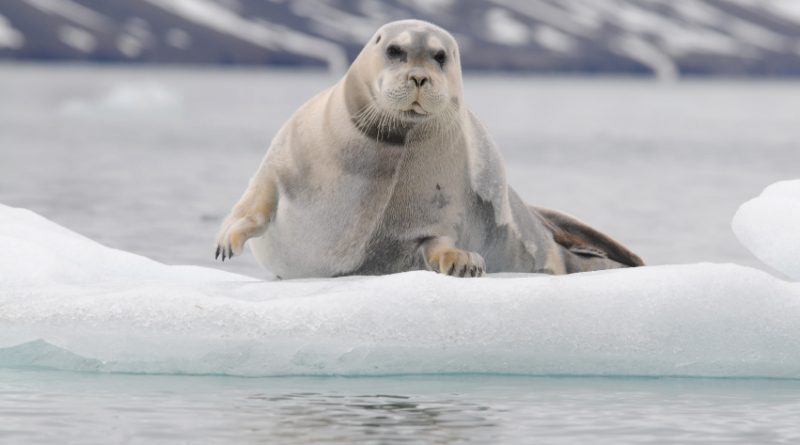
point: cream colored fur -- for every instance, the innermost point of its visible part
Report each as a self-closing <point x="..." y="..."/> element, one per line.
<point x="388" y="171"/>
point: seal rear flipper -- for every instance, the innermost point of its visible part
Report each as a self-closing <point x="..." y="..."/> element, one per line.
<point x="577" y="237"/>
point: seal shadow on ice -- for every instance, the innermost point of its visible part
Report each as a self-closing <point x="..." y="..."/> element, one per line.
<point x="388" y="171"/>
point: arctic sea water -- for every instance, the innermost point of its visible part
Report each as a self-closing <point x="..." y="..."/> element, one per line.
<point x="149" y="161"/>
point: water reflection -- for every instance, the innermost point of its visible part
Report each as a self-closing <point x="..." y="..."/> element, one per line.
<point x="43" y="407"/>
<point x="336" y="417"/>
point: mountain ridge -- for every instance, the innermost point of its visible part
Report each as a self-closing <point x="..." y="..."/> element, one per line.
<point x="665" y="38"/>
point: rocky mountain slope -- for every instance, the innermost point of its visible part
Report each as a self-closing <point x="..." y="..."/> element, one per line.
<point x="663" y="37"/>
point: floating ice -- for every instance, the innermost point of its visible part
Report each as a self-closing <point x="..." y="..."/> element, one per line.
<point x="126" y="99"/>
<point x="67" y="302"/>
<point x="769" y="226"/>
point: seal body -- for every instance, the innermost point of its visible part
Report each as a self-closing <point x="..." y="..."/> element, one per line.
<point x="388" y="171"/>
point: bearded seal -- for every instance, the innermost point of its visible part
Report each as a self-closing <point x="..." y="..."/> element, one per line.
<point x="388" y="171"/>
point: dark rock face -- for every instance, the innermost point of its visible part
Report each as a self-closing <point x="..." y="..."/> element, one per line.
<point x="665" y="37"/>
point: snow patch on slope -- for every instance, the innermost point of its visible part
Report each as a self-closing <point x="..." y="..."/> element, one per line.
<point x="554" y="40"/>
<point x="178" y="38"/>
<point x="568" y="21"/>
<point x="503" y="28"/>
<point x="432" y="6"/>
<point x="77" y="38"/>
<point x="129" y="45"/>
<point x="646" y="53"/>
<point x="789" y="9"/>
<point x="336" y="24"/>
<point x="267" y="35"/>
<point x="10" y="37"/>
<point x="74" y="12"/>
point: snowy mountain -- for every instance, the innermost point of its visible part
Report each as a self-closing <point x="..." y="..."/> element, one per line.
<point x="665" y="37"/>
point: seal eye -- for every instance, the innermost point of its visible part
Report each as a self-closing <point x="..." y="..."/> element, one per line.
<point x="440" y="58"/>
<point x="394" y="52"/>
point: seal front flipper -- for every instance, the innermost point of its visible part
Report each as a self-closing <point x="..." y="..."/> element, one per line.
<point x="249" y="217"/>
<point x="578" y="237"/>
<point x="441" y="256"/>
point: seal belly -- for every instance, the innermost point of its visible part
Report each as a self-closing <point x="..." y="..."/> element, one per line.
<point x="323" y="232"/>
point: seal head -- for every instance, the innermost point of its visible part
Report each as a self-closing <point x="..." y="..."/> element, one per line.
<point x="408" y="74"/>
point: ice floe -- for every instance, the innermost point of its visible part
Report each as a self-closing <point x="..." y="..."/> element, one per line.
<point x="769" y="225"/>
<point x="67" y="302"/>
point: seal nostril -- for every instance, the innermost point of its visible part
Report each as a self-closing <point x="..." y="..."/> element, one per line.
<point x="419" y="80"/>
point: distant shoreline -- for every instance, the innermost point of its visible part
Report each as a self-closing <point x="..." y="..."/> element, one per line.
<point x="316" y="70"/>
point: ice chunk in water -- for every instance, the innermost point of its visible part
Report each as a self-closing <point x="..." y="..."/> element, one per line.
<point x="69" y="303"/>
<point x="143" y="99"/>
<point x="769" y="226"/>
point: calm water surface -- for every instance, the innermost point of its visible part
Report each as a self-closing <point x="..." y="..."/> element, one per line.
<point x="150" y="161"/>
<point x="57" y="407"/>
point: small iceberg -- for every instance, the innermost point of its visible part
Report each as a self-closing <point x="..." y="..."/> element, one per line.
<point x="69" y="303"/>
<point x="132" y="99"/>
<point x="769" y="226"/>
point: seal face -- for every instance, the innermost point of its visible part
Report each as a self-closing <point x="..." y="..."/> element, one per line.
<point x="387" y="171"/>
<point x="406" y="81"/>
